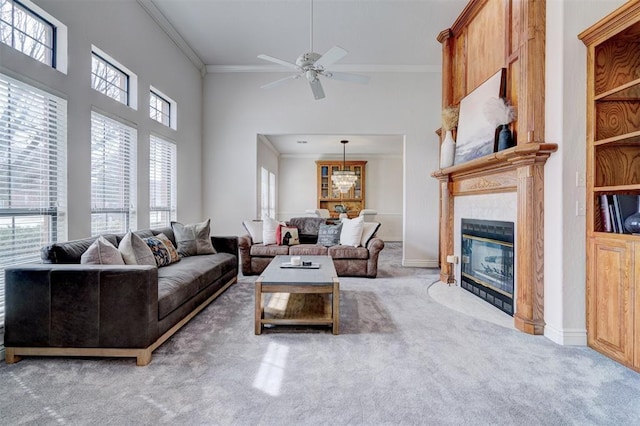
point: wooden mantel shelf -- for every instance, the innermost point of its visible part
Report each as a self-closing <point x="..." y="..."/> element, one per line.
<point x="521" y="170"/>
<point x="499" y="161"/>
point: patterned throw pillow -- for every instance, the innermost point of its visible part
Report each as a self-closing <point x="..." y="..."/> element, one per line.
<point x="329" y="235"/>
<point x="101" y="252"/>
<point x="162" y="249"/>
<point x="193" y="239"/>
<point x="135" y="250"/>
<point x="289" y="236"/>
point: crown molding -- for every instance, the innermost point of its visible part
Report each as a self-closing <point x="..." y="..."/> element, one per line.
<point x="336" y="68"/>
<point x="166" y="26"/>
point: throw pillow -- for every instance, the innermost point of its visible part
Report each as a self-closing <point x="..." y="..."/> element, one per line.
<point x="173" y="253"/>
<point x="369" y="229"/>
<point x="351" y="233"/>
<point x="101" y="252"/>
<point x="135" y="251"/>
<point x="159" y="246"/>
<point x="329" y="235"/>
<point x="289" y="236"/>
<point x="269" y="230"/>
<point x="254" y="228"/>
<point x="193" y="239"/>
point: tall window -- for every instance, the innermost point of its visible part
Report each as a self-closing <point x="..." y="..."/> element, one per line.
<point x="162" y="182"/>
<point x="267" y="193"/>
<point x="113" y="176"/>
<point x="26" y="31"/>
<point x="33" y="170"/>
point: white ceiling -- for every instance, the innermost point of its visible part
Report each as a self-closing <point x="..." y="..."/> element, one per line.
<point x="380" y="35"/>
<point x="329" y="146"/>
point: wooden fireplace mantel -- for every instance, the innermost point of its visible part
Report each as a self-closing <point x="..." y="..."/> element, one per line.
<point x="519" y="169"/>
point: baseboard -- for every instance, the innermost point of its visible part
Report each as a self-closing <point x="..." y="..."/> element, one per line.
<point x="418" y="263"/>
<point x="566" y="337"/>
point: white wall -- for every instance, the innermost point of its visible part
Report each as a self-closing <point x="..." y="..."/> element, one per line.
<point x="565" y="120"/>
<point x="236" y="109"/>
<point x="298" y="182"/>
<point x="127" y="33"/>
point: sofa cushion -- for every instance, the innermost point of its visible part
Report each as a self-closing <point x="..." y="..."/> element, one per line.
<point x="269" y="229"/>
<point x="268" y="250"/>
<point x="348" y="252"/>
<point x="369" y="229"/>
<point x="193" y="239"/>
<point x="101" y="252"/>
<point x="254" y="228"/>
<point x="135" y="250"/>
<point x="351" y="233"/>
<point x="162" y="249"/>
<point x="289" y="236"/>
<point x="329" y="235"/>
<point x="180" y="281"/>
<point x="70" y="251"/>
<point x="306" y="225"/>
<point x="308" y="250"/>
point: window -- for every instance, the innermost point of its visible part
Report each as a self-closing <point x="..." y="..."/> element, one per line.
<point x="267" y="193"/>
<point x="162" y="182"/>
<point x="113" y="176"/>
<point x="112" y="79"/>
<point x="33" y="170"/>
<point x="32" y="31"/>
<point x="163" y="109"/>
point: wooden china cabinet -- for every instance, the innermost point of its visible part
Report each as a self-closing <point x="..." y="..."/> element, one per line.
<point x="613" y="169"/>
<point x="329" y="197"/>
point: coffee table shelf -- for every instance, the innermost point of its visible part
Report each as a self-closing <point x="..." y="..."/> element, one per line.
<point x="298" y="296"/>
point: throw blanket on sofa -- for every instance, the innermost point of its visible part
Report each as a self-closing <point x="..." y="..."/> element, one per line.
<point x="307" y="225"/>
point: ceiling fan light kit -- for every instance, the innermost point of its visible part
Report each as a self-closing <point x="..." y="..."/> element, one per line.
<point x="312" y="65"/>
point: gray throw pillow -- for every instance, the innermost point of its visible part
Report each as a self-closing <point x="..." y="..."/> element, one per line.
<point x="135" y="250"/>
<point x="101" y="252"/>
<point x="193" y="239"/>
<point x="329" y="235"/>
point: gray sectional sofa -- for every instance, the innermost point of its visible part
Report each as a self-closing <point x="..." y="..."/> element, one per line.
<point x="349" y="261"/>
<point x="62" y="307"/>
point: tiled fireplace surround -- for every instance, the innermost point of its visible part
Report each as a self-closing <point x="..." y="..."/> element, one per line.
<point x="507" y="186"/>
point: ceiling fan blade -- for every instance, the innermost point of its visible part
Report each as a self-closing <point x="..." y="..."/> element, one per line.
<point x="343" y="76"/>
<point x="280" y="82"/>
<point x="332" y="56"/>
<point x="316" y="88"/>
<point x="279" y="61"/>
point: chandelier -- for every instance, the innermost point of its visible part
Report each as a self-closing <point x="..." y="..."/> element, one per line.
<point x="343" y="179"/>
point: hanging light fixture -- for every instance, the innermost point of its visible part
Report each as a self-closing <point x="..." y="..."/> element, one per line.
<point x="344" y="179"/>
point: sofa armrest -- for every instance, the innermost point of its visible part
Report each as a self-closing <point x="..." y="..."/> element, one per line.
<point x="81" y="306"/>
<point x="244" y="244"/>
<point x="226" y="244"/>
<point x="374" y="246"/>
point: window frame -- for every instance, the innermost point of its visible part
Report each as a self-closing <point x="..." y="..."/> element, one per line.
<point x="173" y="184"/>
<point x="59" y="32"/>
<point x="131" y="89"/>
<point x="129" y="205"/>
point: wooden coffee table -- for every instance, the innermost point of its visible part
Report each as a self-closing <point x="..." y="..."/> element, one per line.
<point x="304" y="296"/>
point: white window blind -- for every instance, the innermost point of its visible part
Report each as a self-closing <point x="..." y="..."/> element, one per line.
<point x="33" y="170"/>
<point x="162" y="182"/>
<point x="113" y="176"/>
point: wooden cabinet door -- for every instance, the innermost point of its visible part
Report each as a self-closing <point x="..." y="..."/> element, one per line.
<point x="609" y="299"/>
<point x="635" y="280"/>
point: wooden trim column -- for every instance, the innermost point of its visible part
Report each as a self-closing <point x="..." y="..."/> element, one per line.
<point x="446" y="228"/>
<point x="529" y="316"/>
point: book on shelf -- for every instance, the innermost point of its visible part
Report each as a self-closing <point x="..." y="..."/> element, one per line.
<point x="614" y="223"/>
<point x="604" y="213"/>
<point x="617" y="215"/>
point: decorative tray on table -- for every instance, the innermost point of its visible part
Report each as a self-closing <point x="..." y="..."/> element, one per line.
<point x="301" y="266"/>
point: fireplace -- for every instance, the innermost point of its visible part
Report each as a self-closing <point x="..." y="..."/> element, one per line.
<point x="488" y="261"/>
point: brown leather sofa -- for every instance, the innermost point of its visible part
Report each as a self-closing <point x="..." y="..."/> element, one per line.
<point x="62" y="307"/>
<point x="348" y="260"/>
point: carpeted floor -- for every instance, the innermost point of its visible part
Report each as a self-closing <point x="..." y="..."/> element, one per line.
<point x="401" y="358"/>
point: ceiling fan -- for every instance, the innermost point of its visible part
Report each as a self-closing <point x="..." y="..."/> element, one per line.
<point x="312" y="65"/>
